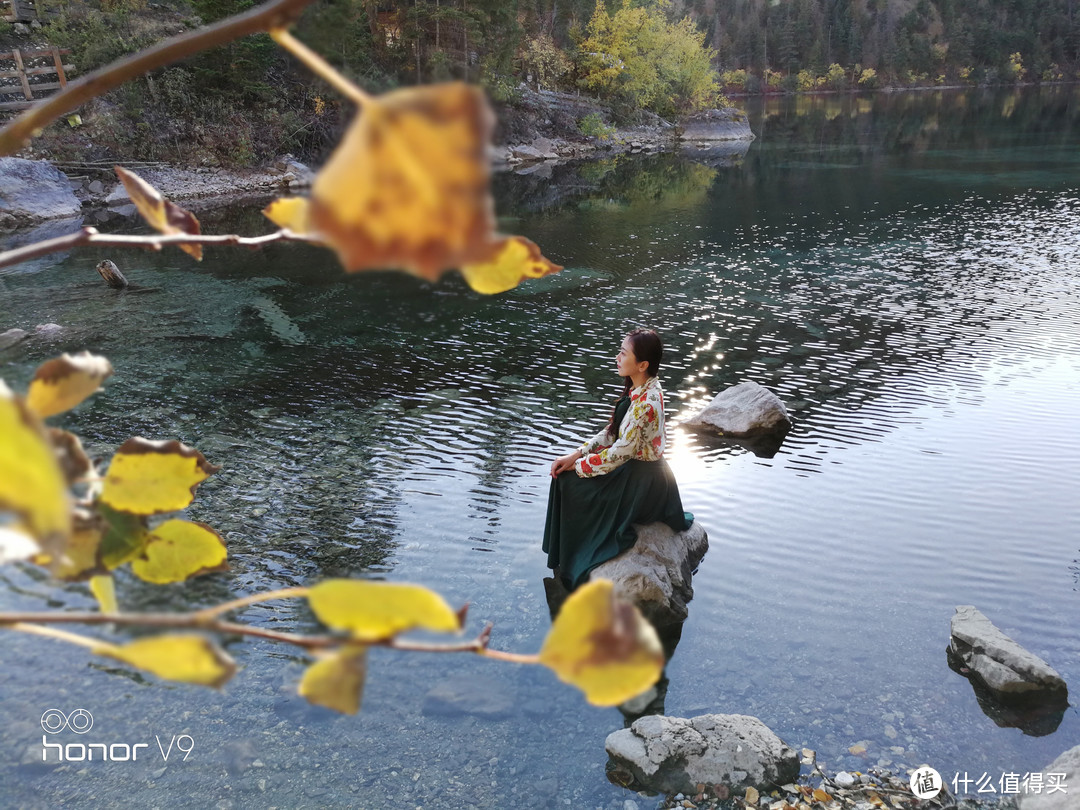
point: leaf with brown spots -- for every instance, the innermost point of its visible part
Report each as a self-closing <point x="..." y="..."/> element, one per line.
<point x="160" y="214"/>
<point x="63" y="382"/>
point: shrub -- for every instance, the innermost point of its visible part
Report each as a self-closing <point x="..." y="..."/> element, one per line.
<point x="868" y="79"/>
<point x="593" y="125"/>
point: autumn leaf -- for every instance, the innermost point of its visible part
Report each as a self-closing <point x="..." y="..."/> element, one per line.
<point x="514" y="259"/>
<point x="63" y="382"/>
<point x="182" y="657"/>
<point x="336" y="680"/>
<point x="32" y="486"/>
<point x="603" y="646"/>
<point x="74" y="462"/>
<point x="160" y="214"/>
<point x="123" y="536"/>
<point x="821" y="795"/>
<point x="291" y="213"/>
<point x="408" y="185"/>
<point x="82" y="556"/>
<point x="179" y="549"/>
<point x="148" y="477"/>
<point x="103" y="587"/>
<point x="408" y="188"/>
<point x="752" y="795"/>
<point x="372" y="611"/>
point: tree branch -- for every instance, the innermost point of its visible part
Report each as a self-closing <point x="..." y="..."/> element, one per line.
<point x="91" y="236"/>
<point x="274" y="14"/>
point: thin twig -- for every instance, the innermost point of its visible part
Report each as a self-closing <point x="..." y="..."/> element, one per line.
<point x="197" y="620"/>
<point x="255" y="598"/>
<point x="274" y="14"/>
<point x="91" y="236"/>
<point x="319" y="66"/>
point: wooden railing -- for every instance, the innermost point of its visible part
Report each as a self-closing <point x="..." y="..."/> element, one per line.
<point x="32" y="70"/>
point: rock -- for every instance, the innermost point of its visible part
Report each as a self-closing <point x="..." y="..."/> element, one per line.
<point x="48" y="329"/>
<point x="526" y="152"/>
<point x="96" y="187"/>
<point x="844" y="779"/>
<point x="727" y="124"/>
<point x="746" y="409"/>
<point x="11" y="337"/>
<point x="656" y="573"/>
<point x="1066" y="773"/>
<point x="33" y="190"/>
<point x="1006" y="669"/>
<point x="674" y="754"/>
<point x="118" y="196"/>
<point x="546" y="148"/>
<point x="473" y="695"/>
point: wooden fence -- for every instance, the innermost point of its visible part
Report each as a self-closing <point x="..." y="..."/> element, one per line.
<point x="19" y="10"/>
<point x="24" y="76"/>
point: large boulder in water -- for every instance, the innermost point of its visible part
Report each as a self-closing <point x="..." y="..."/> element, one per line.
<point x="33" y="190"/>
<point x="674" y="754"/>
<point x="728" y="124"/>
<point x="1059" y="781"/>
<point x="1007" y="670"/>
<point x="744" y="410"/>
<point x="656" y="574"/>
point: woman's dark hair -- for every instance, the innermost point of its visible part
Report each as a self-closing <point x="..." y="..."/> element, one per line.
<point x="647" y="346"/>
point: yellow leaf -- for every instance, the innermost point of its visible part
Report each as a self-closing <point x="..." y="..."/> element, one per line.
<point x="32" y="485"/>
<point x="160" y="214"/>
<point x="16" y="546"/>
<point x="752" y="795"/>
<point x="179" y="549"/>
<point x="148" y="477"/>
<point x="371" y="611"/>
<point x="182" y="657"/>
<point x="408" y="185"/>
<point x="291" y="213"/>
<point x="103" y="588"/>
<point x="82" y="555"/>
<point x="821" y="796"/>
<point x="514" y="259"/>
<point x="603" y="646"/>
<point x="63" y="382"/>
<point x="337" y="680"/>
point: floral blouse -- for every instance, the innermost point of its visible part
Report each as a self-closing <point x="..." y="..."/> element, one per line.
<point x="641" y="434"/>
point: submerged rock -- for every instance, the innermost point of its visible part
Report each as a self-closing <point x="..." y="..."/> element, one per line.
<point x="656" y="573"/>
<point x="746" y="409"/>
<point x="1007" y="670"/>
<point x="11" y="337"/>
<point x="675" y="754"/>
<point x="1059" y="784"/>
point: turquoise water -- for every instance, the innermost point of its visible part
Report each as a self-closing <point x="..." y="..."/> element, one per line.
<point x="901" y="270"/>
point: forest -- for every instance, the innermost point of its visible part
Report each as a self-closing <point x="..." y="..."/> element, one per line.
<point x="245" y="102"/>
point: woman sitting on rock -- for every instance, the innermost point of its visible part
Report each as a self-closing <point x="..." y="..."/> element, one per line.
<point x="618" y="477"/>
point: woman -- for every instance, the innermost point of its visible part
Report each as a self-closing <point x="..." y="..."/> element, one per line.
<point x="618" y="477"/>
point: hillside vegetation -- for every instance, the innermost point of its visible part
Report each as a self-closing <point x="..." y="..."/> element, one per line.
<point x="245" y="103"/>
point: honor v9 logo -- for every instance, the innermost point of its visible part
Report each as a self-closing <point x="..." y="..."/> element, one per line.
<point x="80" y="721"/>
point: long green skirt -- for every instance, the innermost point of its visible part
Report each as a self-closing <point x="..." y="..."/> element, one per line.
<point x="591" y="520"/>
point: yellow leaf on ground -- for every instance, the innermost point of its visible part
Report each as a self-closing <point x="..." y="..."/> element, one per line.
<point x="291" y="213"/>
<point x="408" y="185"/>
<point x="160" y="214"/>
<point x="32" y="486"/>
<point x="514" y="259"/>
<point x="103" y="587"/>
<point x="371" y="611"/>
<point x="63" y="382"/>
<point x="147" y="477"/>
<point x="603" y="646"/>
<point x="179" y="549"/>
<point x="752" y="795"/>
<point x="182" y="657"/>
<point x="337" y="680"/>
<point x="821" y="796"/>
<point x="16" y="546"/>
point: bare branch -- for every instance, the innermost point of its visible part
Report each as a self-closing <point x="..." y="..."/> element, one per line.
<point x="91" y="236"/>
<point x="271" y="15"/>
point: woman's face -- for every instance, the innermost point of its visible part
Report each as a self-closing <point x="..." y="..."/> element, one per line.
<point x="625" y="360"/>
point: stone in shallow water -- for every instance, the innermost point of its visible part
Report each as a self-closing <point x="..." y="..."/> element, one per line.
<point x="744" y="410"/>
<point x="478" y="696"/>
<point x="1063" y="771"/>
<point x="675" y="754"/>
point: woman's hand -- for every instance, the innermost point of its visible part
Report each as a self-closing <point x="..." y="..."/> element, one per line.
<point x="564" y="463"/>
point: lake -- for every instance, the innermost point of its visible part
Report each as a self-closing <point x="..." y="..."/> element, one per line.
<point x="903" y="270"/>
